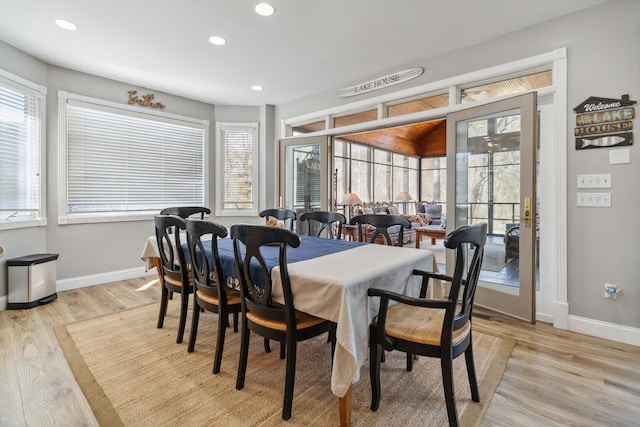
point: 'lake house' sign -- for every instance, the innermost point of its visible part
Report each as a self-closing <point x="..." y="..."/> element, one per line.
<point x="604" y="122"/>
<point x="381" y="82"/>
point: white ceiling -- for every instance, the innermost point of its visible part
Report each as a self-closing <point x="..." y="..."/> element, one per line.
<point x="307" y="47"/>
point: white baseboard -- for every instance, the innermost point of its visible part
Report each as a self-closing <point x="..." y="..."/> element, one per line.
<point x="606" y="330"/>
<point x="98" y="279"/>
<point x="560" y="315"/>
<point x="93" y="279"/>
<point x="543" y="317"/>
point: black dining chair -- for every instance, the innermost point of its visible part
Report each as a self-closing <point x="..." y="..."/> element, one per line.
<point x="175" y="274"/>
<point x="210" y="292"/>
<point x="185" y="212"/>
<point x="324" y="221"/>
<point x="384" y="226"/>
<point x="286" y="215"/>
<point x="435" y="328"/>
<point x="260" y="314"/>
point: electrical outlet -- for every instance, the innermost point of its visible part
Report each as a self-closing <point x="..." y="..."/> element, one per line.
<point x="611" y="291"/>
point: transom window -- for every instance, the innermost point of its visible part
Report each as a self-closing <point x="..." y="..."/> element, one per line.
<point x="475" y="91"/>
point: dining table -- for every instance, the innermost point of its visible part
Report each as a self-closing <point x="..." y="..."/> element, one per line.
<point x="332" y="283"/>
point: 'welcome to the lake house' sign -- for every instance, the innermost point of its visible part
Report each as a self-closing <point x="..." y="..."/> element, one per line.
<point x="604" y="122"/>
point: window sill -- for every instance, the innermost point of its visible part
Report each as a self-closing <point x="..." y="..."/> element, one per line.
<point x="102" y="217"/>
<point x="235" y="213"/>
<point x="9" y="225"/>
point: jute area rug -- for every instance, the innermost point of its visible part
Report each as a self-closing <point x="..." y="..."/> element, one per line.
<point x="134" y="374"/>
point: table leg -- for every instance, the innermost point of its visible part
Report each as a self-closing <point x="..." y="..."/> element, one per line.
<point x="158" y="265"/>
<point x="345" y="409"/>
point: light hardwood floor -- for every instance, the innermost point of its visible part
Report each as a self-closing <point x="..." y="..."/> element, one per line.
<point x="553" y="378"/>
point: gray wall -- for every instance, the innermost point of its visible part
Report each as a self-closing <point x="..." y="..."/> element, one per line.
<point x="603" y="60"/>
<point x="102" y="248"/>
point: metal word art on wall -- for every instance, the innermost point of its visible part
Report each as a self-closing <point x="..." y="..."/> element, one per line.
<point x="604" y="122"/>
<point x="145" y="101"/>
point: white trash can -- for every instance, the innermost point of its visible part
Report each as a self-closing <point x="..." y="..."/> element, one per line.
<point x="31" y="281"/>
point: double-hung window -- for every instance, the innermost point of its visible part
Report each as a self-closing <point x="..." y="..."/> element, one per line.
<point x="121" y="163"/>
<point x="22" y="118"/>
<point x="237" y="166"/>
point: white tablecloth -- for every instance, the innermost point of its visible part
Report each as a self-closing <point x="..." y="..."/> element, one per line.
<point x="334" y="287"/>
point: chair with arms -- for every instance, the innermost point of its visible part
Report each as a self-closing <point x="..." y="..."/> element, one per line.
<point x="434" y="328"/>
<point x="382" y="225"/>
<point x="210" y="292"/>
<point x="285" y="215"/>
<point x="512" y="242"/>
<point x="175" y="274"/>
<point x="280" y="322"/>
<point x="186" y="211"/>
<point x="324" y="220"/>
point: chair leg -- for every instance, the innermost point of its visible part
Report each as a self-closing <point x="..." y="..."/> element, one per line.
<point x="375" y="354"/>
<point x="471" y="373"/>
<point x="446" y="363"/>
<point x="195" y="318"/>
<point x="184" y="303"/>
<point x="267" y="347"/>
<point x="235" y="322"/>
<point x="409" y="362"/>
<point x="283" y="347"/>
<point x="164" y="297"/>
<point x="332" y="339"/>
<point x="332" y="335"/>
<point x="244" y="354"/>
<point x="223" y="318"/>
<point x="290" y="378"/>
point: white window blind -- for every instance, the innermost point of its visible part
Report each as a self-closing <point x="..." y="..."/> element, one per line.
<point x="121" y="161"/>
<point x="20" y="153"/>
<point x="238" y="163"/>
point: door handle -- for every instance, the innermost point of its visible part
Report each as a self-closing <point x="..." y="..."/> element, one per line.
<point x="527" y="212"/>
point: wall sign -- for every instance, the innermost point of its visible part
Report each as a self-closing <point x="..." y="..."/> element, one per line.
<point x="145" y="101"/>
<point x="381" y="82"/>
<point x="604" y="122"/>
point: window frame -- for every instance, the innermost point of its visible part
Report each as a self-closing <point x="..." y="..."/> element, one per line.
<point x="64" y="217"/>
<point x="220" y="171"/>
<point x="39" y="92"/>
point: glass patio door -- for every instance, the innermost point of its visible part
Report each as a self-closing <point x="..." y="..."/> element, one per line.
<point x="304" y="174"/>
<point x="491" y="156"/>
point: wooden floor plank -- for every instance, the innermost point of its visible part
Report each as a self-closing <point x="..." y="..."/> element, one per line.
<point x="553" y="378"/>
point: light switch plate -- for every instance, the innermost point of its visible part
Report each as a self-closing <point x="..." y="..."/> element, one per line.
<point x="621" y="156"/>
<point x="594" y="200"/>
<point x="602" y="180"/>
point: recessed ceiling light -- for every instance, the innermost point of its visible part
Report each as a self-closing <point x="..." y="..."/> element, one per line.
<point x="256" y="87"/>
<point x="265" y="9"/>
<point x="66" y="24"/>
<point x="217" y="40"/>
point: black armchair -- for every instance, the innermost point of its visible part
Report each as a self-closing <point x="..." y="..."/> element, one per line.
<point x="434" y="328"/>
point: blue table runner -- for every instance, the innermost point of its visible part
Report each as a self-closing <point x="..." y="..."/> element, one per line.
<point x="310" y="247"/>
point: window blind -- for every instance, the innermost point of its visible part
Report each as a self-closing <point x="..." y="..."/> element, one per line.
<point x="122" y="161"/>
<point x="20" y="177"/>
<point x="238" y="149"/>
